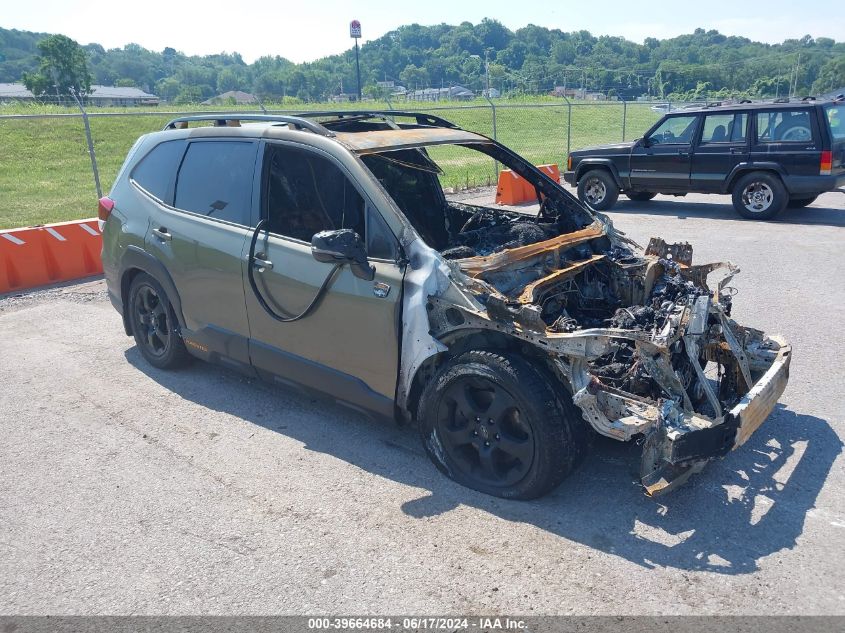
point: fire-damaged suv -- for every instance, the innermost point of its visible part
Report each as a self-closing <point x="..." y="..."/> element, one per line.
<point x="319" y="250"/>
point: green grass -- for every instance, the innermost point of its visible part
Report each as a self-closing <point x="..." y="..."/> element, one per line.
<point x="45" y="170"/>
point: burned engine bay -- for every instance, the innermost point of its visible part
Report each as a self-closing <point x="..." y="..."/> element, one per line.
<point x="647" y="349"/>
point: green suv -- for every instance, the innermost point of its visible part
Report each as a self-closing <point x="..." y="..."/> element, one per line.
<point x="320" y="251"/>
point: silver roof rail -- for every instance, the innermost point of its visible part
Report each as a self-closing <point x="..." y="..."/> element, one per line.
<point x="223" y="120"/>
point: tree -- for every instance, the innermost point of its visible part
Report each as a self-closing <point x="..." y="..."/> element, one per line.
<point x="831" y="76"/>
<point x="189" y="94"/>
<point x="227" y="79"/>
<point x="62" y="69"/>
<point x="168" y="89"/>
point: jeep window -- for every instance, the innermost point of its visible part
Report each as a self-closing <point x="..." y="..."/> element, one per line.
<point x="784" y="126"/>
<point x="834" y="121"/>
<point x="724" y="128"/>
<point x="215" y="180"/>
<point x="675" y="130"/>
<point x="155" y="173"/>
<point x="307" y="193"/>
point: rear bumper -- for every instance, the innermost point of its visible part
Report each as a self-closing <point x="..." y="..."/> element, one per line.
<point x="813" y="184"/>
<point x="683" y="442"/>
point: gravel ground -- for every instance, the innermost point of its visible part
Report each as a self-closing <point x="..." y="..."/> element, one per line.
<point x="128" y="490"/>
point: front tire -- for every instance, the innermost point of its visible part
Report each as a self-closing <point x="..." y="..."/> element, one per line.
<point x="759" y="195"/>
<point x="495" y="423"/>
<point x="800" y="203"/>
<point x="598" y="189"/>
<point x="154" y="324"/>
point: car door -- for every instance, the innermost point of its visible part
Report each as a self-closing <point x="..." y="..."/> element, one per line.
<point x="199" y="233"/>
<point x="789" y="137"/>
<point x="661" y="160"/>
<point x="348" y="345"/>
<point x="722" y="146"/>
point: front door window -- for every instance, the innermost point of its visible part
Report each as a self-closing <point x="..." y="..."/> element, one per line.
<point x="675" y="130"/>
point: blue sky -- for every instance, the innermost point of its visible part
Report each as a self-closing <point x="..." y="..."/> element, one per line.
<point x="264" y="27"/>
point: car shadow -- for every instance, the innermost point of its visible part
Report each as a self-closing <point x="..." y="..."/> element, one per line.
<point x="678" y="208"/>
<point x="738" y="510"/>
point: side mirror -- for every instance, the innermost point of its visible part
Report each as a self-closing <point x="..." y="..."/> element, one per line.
<point x="343" y="246"/>
<point x="644" y="142"/>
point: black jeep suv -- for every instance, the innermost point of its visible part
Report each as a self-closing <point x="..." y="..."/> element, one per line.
<point x="766" y="155"/>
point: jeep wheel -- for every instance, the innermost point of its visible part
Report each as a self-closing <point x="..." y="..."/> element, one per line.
<point x="759" y="196"/>
<point x="154" y="325"/>
<point x="495" y="423"/>
<point x="598" y="189"/>
<point x="799" y="203"/>
<point x="640" y="196"/>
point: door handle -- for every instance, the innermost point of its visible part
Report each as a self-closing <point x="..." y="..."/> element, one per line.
<point x="162" y="234"/>
<point x="682" y="153"/>
<point x="261" y="264"/>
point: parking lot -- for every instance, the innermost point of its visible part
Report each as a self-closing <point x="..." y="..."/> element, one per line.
<point x="129" y="490"/>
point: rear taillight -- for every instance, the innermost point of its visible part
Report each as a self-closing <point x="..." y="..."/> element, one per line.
<point x="104" y="208"/>
<point x="826" y="163"/>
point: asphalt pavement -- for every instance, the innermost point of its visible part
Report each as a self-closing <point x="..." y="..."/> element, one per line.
<point x="129" y="490"/>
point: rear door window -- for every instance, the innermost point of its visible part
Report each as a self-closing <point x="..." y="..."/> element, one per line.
<point x="216" y="179"/>
<point x="156" y="172"/>
<point x="724" y="128"/>
<point x="784" y="126"/>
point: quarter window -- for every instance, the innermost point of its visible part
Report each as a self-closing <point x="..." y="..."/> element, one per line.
<point x="835" y="114"/>
<point x="675" y="130"/>
<point x="157" y="170"/>
<point x="307" y="193"/>
<point x="784" y="126"/>
<point x="216" y="179"/>
<point x="724" y="128"/>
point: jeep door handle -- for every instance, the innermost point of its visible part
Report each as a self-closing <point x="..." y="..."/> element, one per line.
<point x="162" y="234"/>
<point x="682" y="153"/>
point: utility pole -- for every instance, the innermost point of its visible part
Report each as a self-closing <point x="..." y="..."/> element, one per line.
<point x="487" y="69"/>
<point x="355" y="33"/>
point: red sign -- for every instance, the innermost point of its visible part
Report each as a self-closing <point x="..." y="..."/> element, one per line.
<point x="355" y="29"/>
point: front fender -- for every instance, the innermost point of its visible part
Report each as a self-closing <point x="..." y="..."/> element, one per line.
<point x="605" y="163"/>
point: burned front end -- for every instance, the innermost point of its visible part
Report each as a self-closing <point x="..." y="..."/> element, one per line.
<point x="645" y="343"/>
<point x="642" y="338"/>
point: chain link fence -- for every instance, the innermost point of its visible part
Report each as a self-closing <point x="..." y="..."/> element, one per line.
<point x="48" y="174"/>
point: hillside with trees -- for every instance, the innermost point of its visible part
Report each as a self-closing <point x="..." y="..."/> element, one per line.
<point x="532" y="60"/>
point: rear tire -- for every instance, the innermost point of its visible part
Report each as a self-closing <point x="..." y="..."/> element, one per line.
<point x="495" y="423"/>
<point x="800" y="203"/>
<point x="759" y="195"/>
<point x="598" y="189"/>
<point x="154" y="324"/>
<point x="640" y="196"/>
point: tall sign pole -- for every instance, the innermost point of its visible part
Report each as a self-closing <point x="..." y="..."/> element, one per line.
<point x="355" y="32"/>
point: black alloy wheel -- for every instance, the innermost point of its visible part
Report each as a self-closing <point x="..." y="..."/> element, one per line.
<point x="484" y="432"/>
<point x="154" y="324"/>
